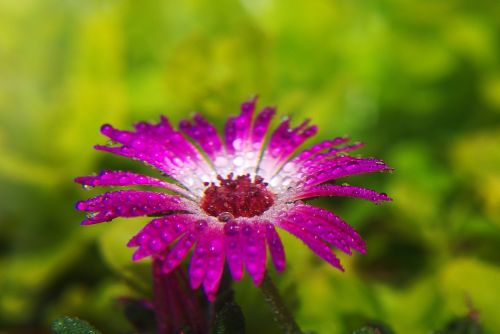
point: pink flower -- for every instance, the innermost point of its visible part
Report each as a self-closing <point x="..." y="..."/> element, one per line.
<point x="230" y="194"/>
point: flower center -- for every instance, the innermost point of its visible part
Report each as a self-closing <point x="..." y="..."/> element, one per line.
<point x="239" y="197"/>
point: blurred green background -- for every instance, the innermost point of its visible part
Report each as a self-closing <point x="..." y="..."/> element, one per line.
<point x="418" y="81"/>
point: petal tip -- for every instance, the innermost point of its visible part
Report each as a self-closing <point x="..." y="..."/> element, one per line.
<point x="81" y="205"/>
<point x="106" y="128"/>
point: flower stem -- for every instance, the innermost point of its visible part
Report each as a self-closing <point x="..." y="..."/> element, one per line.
<point x="281" y="313"/>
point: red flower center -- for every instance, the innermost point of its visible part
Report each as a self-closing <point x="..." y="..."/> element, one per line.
<point x="239" y="197"/>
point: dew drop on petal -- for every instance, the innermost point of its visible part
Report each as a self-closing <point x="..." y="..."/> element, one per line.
<point x="276" y="152"/>
<point x="81" y="205"/>
<point x="225" y="216"/>
<point x="165" y="235"/>
<point x="92" y="214"/>
<point x="274" y="182"/>
<point x="201" y="224"/>
<point x="237" y="144"/>
<point x="155" y="245"/>
<point x="286" y="181"/>
<point x="238" y="161"/>
<point x="288" y="167"/>
<point x="220" y="162"/>
<point x="231" y="228"/>
<point x="112" y="143"/>
<point x="178" y="162"/>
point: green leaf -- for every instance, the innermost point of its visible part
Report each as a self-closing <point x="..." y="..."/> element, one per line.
<point x="69" y="325"/>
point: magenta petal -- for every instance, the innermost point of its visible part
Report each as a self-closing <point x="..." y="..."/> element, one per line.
<point x="198" y="263"/>
<point x="129" y="203"/>
<point x="119" y="178"/>
<point x="339" y="167"/>
<point x="215" y="265"/>
<point x="261" y="125"/>
<point x="314" y="242"/>
<point x="237" y="129"/>
<point x="253" y="241"/>
<point x="320" y="229"/>
<point x="159" y="233"/>
<point x="339" y="190"/>
<point x="332" y="228"/>
<point x="330" y="153"/>
<point x="275" y="247"/>
<point x="285" y="140"/>
<point x="179" y="251"/>
<point x="317" y="148"/>
<point x="159" y="145"/>
<point x="233" y="249"/>
<point x="164" y="135"/>
<point x="204" y="133"/>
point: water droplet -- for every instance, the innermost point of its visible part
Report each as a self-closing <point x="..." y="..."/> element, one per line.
<point x="157" y="223"/>
<point x="276" y="152"/>
<point x="238" y="161"/>
<point x="165" y="235"/>
<point x="92" y="214"/>
<point x="178" y="162"/>
<point x="178" y="227"/>
<point x="247" y="230"/>
<point x="274" y="182"/>
<point x="237" y="144"/>
<point x="124" y="179"/>
<point x="81" y="205"/>
<point x="220" y="162"/>
<point x="225" y="217"/>
<point x="201" y="251"/>
<point x="87" y="187"/>
<point x="288" y="167"/>
<point x="201" y="224"/>
<point x="214" y="249"/>
<point x="155" y="245"/>
<point x="105" y="128"/>
<point x="112" y="143"/>
<point x="252" y="250"/>
<point x="137" y="143"/>
<point x="188" y="181"/>
<point x="256" y="146"/>
<point x="351" y="164"/>
<point x="286" y="181"/>
<point x="231" y="228"/>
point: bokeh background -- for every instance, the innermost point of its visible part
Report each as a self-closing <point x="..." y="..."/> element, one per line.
<point x="418" y="81"/>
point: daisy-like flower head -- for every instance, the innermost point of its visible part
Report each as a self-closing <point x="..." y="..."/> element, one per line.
<point x="230" y="194"/>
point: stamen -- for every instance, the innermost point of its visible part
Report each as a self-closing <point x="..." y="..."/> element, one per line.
<point x="239" y="197"/>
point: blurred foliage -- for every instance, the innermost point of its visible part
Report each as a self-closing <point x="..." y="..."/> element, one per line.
<point x="418" y="81"/>
<point x="67" y="325"/>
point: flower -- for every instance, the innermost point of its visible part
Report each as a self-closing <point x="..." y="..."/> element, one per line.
<point x="228" y="196"/>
